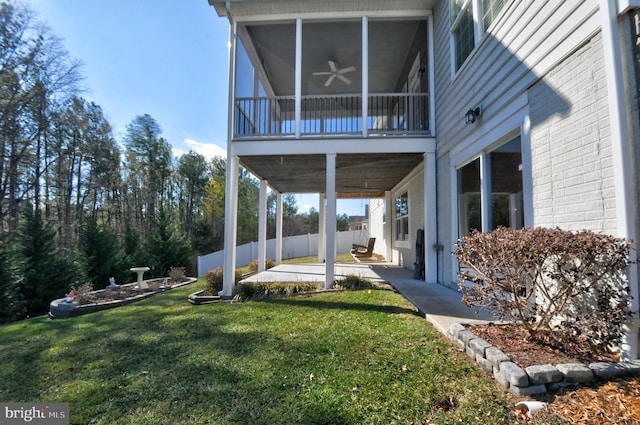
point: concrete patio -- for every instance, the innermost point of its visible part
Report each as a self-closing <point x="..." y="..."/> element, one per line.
<point x="439" y="304"/>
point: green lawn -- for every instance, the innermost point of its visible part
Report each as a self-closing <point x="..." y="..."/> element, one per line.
<point x="360" y="357"/>
<point x="344" y="258"/>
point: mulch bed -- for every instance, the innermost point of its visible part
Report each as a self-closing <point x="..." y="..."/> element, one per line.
<point x="512" y="340"/>
<point x="123" y="292"/>
<point x="599" y="403"/>
<point x="611" y="403"/>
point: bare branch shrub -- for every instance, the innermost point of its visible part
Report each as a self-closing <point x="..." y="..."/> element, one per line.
<point x="82" y="292"/>
<point x="176" y="274"/>
<point x="543" y="279"/>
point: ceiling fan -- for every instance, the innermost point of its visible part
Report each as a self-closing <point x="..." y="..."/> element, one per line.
<point x="334" y="72"/>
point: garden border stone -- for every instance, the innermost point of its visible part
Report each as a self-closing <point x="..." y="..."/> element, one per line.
<point x="537" y="379"/>
<point x="198" y="298"/>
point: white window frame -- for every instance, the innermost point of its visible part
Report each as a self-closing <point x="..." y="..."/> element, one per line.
<point x="456" y="22"/>
<point x="462" y="155"/>
<point x="398" y="219"/>
<point x="479" y="30"/>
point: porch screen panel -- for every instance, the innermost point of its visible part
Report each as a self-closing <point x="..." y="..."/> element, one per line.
<point x="245" y="106"/>
<point x="265" y="81"/>
<point x="398" y="77"/>
<point x="331" y="77"/>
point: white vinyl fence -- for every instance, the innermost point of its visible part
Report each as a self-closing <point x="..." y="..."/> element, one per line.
<point x="292" y="247"/>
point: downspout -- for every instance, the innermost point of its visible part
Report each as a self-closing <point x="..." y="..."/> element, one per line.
<point x="622" y="157"/>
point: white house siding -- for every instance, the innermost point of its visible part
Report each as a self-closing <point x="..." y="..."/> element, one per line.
<point x="527" y="42"/>
<point x="404" y="253"/>
<point x="376" y="225"/>
<point x="573" y="180"/>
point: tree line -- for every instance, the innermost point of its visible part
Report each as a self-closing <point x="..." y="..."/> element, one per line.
<point x="77" y="205"/>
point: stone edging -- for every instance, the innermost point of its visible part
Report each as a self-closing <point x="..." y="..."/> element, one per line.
<point x="61" y="309"/>
<point x="198" y="298"/>
<point x="538" y="379"/>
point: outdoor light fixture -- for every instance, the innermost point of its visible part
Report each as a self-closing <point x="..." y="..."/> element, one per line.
<point x="472" y="115"/>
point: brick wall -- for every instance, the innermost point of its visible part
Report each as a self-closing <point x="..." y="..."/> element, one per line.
<point x="573" y="185"/>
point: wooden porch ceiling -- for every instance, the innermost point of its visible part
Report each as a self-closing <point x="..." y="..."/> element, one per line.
<point x="362" y="175"/>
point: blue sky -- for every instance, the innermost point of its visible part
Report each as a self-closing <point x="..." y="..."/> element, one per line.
<point x="165" y="58"/>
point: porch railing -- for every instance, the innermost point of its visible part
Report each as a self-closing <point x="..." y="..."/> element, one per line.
<point x="404" y="114"/>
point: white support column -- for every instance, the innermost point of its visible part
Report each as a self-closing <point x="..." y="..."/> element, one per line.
<point x="262" y="227"/>
<point x="365" y="76"/>
<point x="330" y="248"/>
<point x="485" y="191"/>
<point x="430" y="219"/>
<point x="322" y="234"/>
<point x="527" y="174"/>
<point x="298" y="76"/>
<point x="623" y="169"/>
<point x="388" y="226"/>
<point x="231" y="186"/>
<point x="279" y="209"/>
<point x="230" y="225"/>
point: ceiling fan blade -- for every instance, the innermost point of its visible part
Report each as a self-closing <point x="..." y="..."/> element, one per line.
<point x="330" y="80"/>
<point x="323" y="73"/>
<point x="347" y="69"/>
<point x="344" y="79"/>
<point x="333" y="66"/>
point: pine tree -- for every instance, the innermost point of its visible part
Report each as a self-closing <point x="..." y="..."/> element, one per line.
<point x="103" y="256"/>
<point x="9" y="279"/>
<point x="168" y="247"/>
<point x="46" y="275"/>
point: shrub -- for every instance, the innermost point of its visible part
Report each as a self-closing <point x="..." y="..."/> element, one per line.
<point x="549" y="279"/>
<point x="176" y="274"/>
<point x="353" y="282"/>
<point x="214" y="280"/>
<point x="262" y="290"/>
<point x="253" y="265"/>
<point x="82" y="292"/>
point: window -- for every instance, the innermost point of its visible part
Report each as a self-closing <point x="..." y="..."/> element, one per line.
<point x="402" y="217"/>
<point x="505" y="191"/>
<point x="506" y="185"/>
<point x="491" y="10"/>
<point x="469" y="198"/>
<point x="464" y="30"/>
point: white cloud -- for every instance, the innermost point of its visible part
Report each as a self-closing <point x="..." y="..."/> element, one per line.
<point x="305" y="208"/>
<point x="208" y="150"/>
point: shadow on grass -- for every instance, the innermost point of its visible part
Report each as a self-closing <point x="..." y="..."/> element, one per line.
<point x="339" y="305"/>
<point x="279" y="361"/>
<point x="172" y="362"/>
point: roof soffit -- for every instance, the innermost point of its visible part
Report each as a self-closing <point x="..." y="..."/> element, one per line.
<point x="242" y="10"/>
